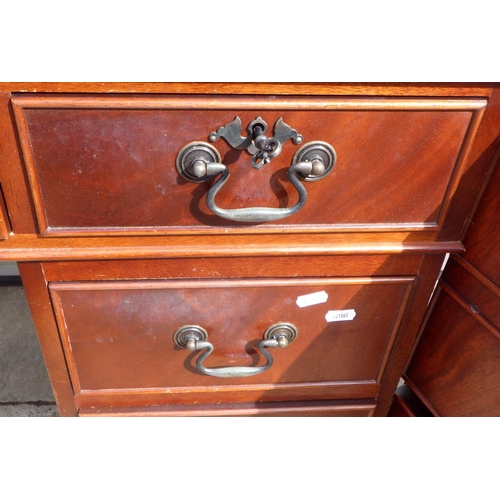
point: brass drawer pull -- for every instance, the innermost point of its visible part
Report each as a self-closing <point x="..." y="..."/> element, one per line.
<point x="194" y="338"/>
<point x="200" y="162"/>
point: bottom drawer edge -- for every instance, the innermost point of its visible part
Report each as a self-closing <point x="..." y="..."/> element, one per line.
<point x="281" y="409"/>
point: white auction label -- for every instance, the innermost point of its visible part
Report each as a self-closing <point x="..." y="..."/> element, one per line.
<point x="345" y="315"/>
<point x="312" y="299"/>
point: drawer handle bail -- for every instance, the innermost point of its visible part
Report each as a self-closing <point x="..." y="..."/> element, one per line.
<point x="194" y="338"/>
<point x="201" y="162"/>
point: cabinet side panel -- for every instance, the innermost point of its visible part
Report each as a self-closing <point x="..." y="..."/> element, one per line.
<point x="405" y="342"/>
<point x="43" y="316"/>
<point x="455" y="366"/>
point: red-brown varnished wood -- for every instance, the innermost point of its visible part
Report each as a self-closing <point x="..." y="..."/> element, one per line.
<point x="104" y="165"/>
<point x="294" y="409"/>
<point x="477" y="274"/>
<point x="40" y="305"/>
<point x="30" y="248"/>
<point x="214" y="395"/>
<point x="454" y="369"/>
<point x="485" y="301"/>
<point x="399" y="409"/>
<point x="477" y="166"/>
<point x="235" y="267"/>
<point x="455" y="366"/>
<point x="425" y="283"/>
<point x="236" y="102"/>
<point x="13" y="180"/>
<point x="449" y="89"/>
<point x="98" y="163"/>
<point x="483" y="236"/>
<point x="471" y="308"/>
<point x="4" y="219"/>
<point x="408" y="404"/>
<point x="118" y="335"/>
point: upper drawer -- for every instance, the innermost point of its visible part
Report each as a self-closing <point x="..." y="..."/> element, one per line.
<point x="107" y="164"/>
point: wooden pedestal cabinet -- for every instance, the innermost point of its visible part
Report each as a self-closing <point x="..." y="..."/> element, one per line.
<point x="236" y="249"/>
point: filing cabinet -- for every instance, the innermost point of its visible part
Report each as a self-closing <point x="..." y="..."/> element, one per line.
<point x="256" y="250"/>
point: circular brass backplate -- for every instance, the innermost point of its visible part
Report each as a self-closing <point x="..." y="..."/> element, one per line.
<point x="316" y="150"/>
<point x="186" y="332"/>
<point x="192" y="152"/>
<point x="281" y="329"/>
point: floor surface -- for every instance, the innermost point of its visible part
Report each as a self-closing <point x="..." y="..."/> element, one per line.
<point x="25" y="389"/>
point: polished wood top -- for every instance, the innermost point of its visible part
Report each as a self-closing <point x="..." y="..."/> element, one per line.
<point x="480" y="89"/>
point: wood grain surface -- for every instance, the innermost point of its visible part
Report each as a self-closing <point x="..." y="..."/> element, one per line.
<point x="454" y="368"/>
<point x="40" y="305"/>
<point x="13" y="176"/>
<point x="283" y="266"/>
<point x="117" y="251"/>
<point x="107" y="165"/>
<point x="479" y="89"/>
<point x="282" y="409"/>
<point x="118" y="335"/>
<point x="33" y="248"/>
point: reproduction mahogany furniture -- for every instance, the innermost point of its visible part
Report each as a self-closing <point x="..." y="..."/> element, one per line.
<point x="236" y="249"/>
<point x="455" y="369"/>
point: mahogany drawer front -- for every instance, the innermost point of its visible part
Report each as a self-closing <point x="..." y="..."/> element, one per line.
<point x="107" y="165"/>
<point x="118" y="338"/>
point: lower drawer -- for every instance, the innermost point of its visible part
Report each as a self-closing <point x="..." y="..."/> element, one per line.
<point x="119" y="344"/>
